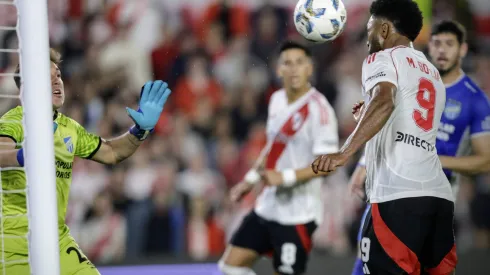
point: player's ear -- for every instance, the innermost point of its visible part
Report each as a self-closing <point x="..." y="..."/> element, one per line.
<point x="385" y="29"/>
<point x="463" y="50"/>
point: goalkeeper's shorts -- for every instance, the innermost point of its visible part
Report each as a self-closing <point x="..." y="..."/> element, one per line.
<point x="72" y="261"/>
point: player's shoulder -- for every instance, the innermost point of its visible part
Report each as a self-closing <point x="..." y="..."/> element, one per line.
<point x="321" y="108"/>
<point x="15" y="113"/>
<point x="391" y="55"/>
<point x="319" y="100"/>
<point x="281" y="93"/>
<point x="277" y="97"/>
<point x="67" y="121"/>
<point x="376" y="58"/>
<point x="470" y="86"/>
<point x="376" y="62"/>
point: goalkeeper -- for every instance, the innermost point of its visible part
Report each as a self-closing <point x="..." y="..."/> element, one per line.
<point x="70" y="140"/>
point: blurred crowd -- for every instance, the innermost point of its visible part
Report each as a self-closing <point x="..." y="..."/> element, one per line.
<point x="218" y="56"/>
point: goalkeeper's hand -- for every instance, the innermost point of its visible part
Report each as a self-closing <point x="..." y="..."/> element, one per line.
<point x="154" y="94"/>
<point x="20" y="153"/>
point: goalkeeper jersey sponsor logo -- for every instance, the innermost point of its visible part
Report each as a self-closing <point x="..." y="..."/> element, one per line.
<point x="68" y="143"/>
<point x="63" y="164"/>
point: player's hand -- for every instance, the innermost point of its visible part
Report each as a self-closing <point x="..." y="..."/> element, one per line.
<point x="357" y="110"/>
<point x="154" y="94"/>
<point x="272" y="177"/>
<point x="240" y="190"/>
<point x="357" y="188"/>
<point x="329" y="162"/>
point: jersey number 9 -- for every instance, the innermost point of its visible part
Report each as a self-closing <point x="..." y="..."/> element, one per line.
<point x="426" y="98"/>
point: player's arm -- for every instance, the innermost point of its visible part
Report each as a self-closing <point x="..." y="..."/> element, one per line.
<point x="287" y="177"/>
<point x="11" y="134"/>
<point x="358" y="178"/>
<point x="8" y="153"/>
<point x="374" y="117"/>
<point x="479" y="161"/>
<point x="380" y="81"/>
<point x="115" y="150"/>
<point x="252" y="178"/>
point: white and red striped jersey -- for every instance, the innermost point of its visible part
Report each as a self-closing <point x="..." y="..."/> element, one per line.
<point x="298" y="133"/>
<point x="401" y="159"/>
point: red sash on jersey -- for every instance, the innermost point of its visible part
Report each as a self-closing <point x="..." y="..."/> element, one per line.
<point x="293" y="123"/>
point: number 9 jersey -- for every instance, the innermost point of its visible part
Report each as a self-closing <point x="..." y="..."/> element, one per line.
<point x="401" y="159"/>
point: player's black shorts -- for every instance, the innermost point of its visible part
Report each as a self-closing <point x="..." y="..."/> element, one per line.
<point x="289" y="245"/>
<point x="409" y="236"/>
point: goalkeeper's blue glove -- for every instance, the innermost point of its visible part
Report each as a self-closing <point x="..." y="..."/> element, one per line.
<point x="20" y="153"/>
<point x="154" y="94"/>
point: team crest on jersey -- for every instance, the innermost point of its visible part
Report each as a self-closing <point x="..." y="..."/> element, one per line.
<point x="69" y="144"/>
<point x="453" y="109"/>
<point x="297" y="121"/>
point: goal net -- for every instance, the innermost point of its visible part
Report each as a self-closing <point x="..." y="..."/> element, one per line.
<point x="28" y="195"/>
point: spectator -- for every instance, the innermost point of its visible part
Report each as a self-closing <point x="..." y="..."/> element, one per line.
<point x="205" y="236"/>
<point x="167" y="219"/>
<point x="197" y="95"/>
<point x="104" y="232"/>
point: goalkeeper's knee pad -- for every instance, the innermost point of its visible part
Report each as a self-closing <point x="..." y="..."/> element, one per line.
<point x="234" y="270"/>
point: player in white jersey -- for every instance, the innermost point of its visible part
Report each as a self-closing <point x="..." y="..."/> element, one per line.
<point x="409" y="228"/>
<point x="301" y="125"/>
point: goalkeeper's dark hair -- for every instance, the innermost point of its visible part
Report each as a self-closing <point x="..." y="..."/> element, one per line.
<point x="404" y="14"/>
<point x="452" y="27"/>
<point x="54" y="56"/>
<point x="288" y="45"/>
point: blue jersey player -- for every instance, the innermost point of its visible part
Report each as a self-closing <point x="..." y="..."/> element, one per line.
<point x="464" y="134"/>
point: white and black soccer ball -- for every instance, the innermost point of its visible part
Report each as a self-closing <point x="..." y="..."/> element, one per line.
<point x="320" y="21"/>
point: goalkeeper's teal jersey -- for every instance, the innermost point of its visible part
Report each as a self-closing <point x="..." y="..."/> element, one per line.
<point x="70" y="140"/>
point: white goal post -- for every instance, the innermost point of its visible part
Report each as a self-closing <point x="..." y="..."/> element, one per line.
<point x="36" y="98"/>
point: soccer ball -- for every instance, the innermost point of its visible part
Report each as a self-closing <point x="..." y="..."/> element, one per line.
<point x="320" y="21"/>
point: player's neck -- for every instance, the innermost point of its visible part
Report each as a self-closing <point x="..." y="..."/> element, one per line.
<point x="294" y="94"/>
<point x="452" y="76"/>
<point x="396" y="41"/>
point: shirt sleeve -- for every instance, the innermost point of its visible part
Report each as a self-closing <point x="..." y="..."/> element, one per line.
<point x="11" y="125"/>
<point x="325" y="129"/>
<point x="378" y="67"/>
<point x="87" y="143"/>
<point x="480" y="123"/>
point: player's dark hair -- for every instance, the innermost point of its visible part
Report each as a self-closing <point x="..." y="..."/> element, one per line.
<point x="54" y="56"/>
<point x="452" y="27"/>
<point x="288" y="45"/>
<point x="404" y="14"/>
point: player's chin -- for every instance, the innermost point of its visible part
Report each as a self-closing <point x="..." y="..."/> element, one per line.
<point x="57" y="102"/>
<point x="297" y="85"/>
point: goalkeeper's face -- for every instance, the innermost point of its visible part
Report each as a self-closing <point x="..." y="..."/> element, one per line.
<point x="58" y="89"/>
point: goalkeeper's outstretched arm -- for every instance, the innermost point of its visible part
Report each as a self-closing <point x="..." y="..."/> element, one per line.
<point x="153" y="97"/>
<point x="115" y="150"/>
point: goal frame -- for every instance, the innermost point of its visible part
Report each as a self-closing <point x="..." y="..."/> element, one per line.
<point x="36" y="96"/>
